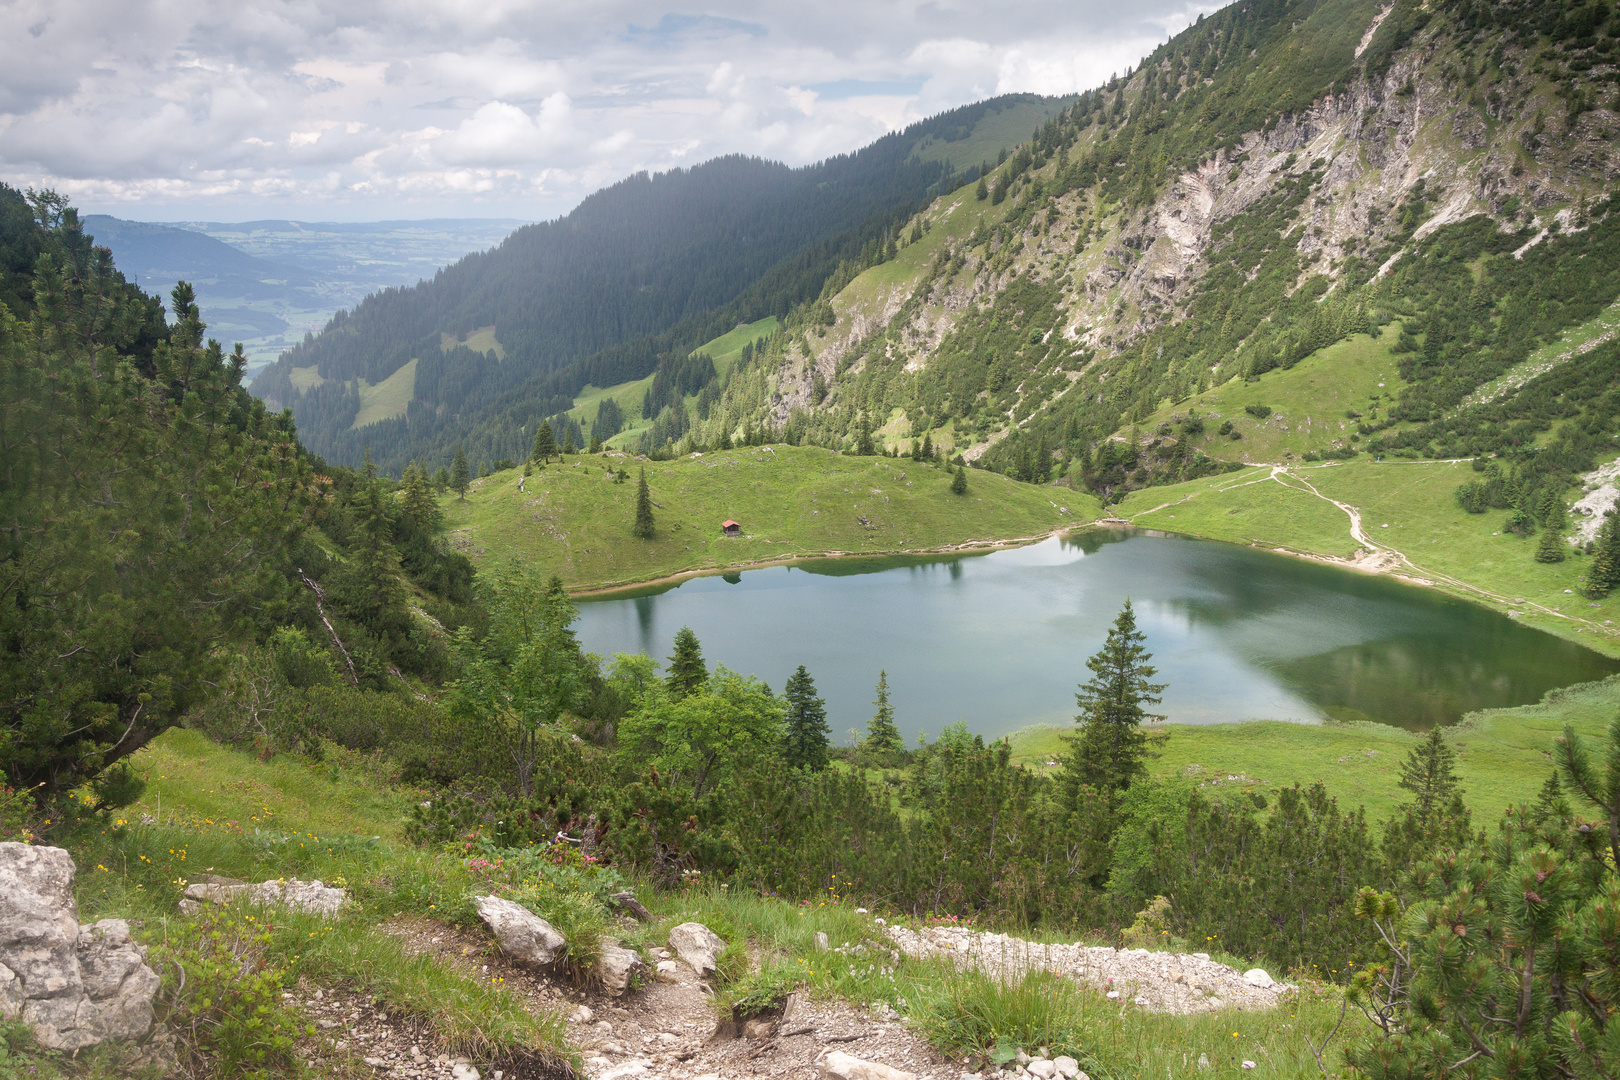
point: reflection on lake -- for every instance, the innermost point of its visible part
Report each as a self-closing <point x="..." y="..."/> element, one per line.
<point x="1000" y="640"/>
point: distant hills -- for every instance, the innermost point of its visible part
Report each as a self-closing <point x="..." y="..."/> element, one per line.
<point x="643" y="270"/>
<point x="268" y="283"/>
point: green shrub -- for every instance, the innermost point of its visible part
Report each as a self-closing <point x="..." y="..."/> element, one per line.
<point x="974" y="1014"/>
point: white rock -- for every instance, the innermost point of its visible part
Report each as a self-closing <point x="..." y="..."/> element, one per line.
<point x="841" y="1066"/>
<point x="639" y="1067"/>
<point x="699" y="946"/>
<point x="1203" y="1061"/>
<point x="1042" y="1068"/>
<point x="1257" y="977"/>
<point x="615" y="967"/>
<point x="1249" y="1064"/>
<point x="668" y="968"/>
<point x="1066" y="1066"/>
<point x="581" y="1015"/>
<point x="314" y="897"/>
<point x="76" y="986"/>
<point x="521" y="933"/>
<point x="1200" y="956"/>
<point x="463" y="1072"/>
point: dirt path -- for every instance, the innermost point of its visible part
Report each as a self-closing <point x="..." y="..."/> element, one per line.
<point x="1377" y="557"/>
<point x="667" y="1027"/>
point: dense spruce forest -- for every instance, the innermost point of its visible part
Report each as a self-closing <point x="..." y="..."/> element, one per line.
<point x="649" y="267"/>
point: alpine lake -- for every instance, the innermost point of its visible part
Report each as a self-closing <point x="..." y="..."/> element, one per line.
<point x="1000" y="640"/>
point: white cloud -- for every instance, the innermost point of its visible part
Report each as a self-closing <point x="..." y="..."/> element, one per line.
<point x="365" y="109"/>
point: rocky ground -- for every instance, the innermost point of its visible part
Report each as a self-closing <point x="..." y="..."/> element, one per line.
<point x="1159" y="981"/>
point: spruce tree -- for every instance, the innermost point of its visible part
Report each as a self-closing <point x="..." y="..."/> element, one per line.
<point x="982" y="192"/>
<point x="1603" y="574"/>
<point x="418" y="500"/>
<point x="545" y="443"/>
<point x="959" y="481"/>
<point x="568" y="442"/>
<point x="881" y="734"/>
<point x="460" y="474"/>
<point x="596" y="444"/>
<point x="441" y="479"/>
<point x="1551" y="548"/>
<point x="1111" y="749"/>
<point x="863" y="440"/>
<point x="927" y="455"/>
<point x="807" y="732"/>
<point x="644" y="527"/>
<point x="687" y="671"/>
<point x="1429" y="772"/>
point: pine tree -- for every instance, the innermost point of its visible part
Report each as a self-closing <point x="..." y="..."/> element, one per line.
<point x="441" y="479"/>
<point x="927" y="454"/>
<point x="418" y="499"/>
<point x="863" y="440"/>
<point x="545" y="443"/>
<point x="596" y="444"/>
<point x="687" y="671"/>
<point x="568" y="442"/>
<point x="1550" y="509"/>
<point x="644" y="527"/>
<point x="1551" y="548"/>
<point x="1429" y="772"/>
<point x="460" y="475"/>
<point x="807" y="732"/>
<point x="1604" y="572"/>
<point x="881" y="734"/>
<point x="959" y="481"/>
<point x="982" y="192"/>
<point x="1111" y="749"/>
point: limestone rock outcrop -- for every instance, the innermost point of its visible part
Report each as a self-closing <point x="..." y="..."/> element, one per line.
<point x="76" y="986"/>
<point x="521" y="933"/>
<point x="699" y="946"/>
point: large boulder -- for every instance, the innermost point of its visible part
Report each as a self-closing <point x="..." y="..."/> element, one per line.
<point x="76" y="986"/>
<point x="521" y="933"/>
<point x="699" y="946"/>
<point x="616" y="966"/>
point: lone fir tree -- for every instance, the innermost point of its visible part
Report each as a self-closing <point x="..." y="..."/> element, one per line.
<point x="881" y="734"/>
<point x="687" y="671"/>
<point x="460" y="474"/>
<point x="1429" y="772"/>
<point x="545" y="443"/>
<point x="644" y="527"/>
<point x="568" y="442"/>
<point x="1551" y="548"/>
<point x="864" y="446"/>
<point x="1111" y="748"/>
<point x="807" y="732"/>
<point x="959" y="481"/>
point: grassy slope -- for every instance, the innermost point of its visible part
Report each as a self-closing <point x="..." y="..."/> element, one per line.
<point x="995" y="132"/>
<point x="792" y="502"/>
<point x="1414" y="499"/>
<point x="306" y="378"/>
<point x="479" y="341"/>
<point x="1309" y="401"/>
<point x="724" y="350"/>
<point x="388" y="398"/>
<point x="1502" y="754"/>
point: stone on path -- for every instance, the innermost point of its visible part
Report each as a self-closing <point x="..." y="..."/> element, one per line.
<point x="1257" y="977"/>
<point x="616" y="966"/>
<point x="1042" y="1068"/>
<point x="1066" y="1066"/>
<point x="76" y="986"/>
<point x="841" y="1066"/>
<point x="699" y="946"/>
<point x="521" y="933"/>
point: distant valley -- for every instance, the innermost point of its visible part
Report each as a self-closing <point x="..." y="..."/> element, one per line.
<point x="268" y="283"/>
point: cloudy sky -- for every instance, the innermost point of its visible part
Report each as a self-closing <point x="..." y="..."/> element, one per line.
<point x="363" y="110"/>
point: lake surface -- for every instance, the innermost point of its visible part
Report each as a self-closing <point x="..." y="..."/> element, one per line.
<point x="1000" y="640"/>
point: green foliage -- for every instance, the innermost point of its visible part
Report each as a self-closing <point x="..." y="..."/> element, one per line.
<point x="1111" y="750"/>
<point x="687" y="671"/>
<point x="1430" y="773"/>
<point x="460" y="474"/>
<point x="545" y="443"/>
<point x="804" y="743"/>
<point x="882" y="736"/>
<point x="973" y="1013"/>
<point x="644" y="526"/>
<point x="229" y="1002"/>
<point x="526" y="671"/>
<point x="150" y="504"/>
<point x="1552" y="548"/>
<point x="1503" y="965"/>
<point x="699" y="738"/>
<point x="1604" y="573"/>
<point x="959" y="484"/>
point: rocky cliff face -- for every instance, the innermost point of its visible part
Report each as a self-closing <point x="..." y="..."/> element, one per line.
<point x="1457" y="121"/>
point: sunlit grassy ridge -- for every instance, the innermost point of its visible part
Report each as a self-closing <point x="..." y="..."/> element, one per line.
<point x="792" y="501"/>
<point x="1503" y="755"/>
